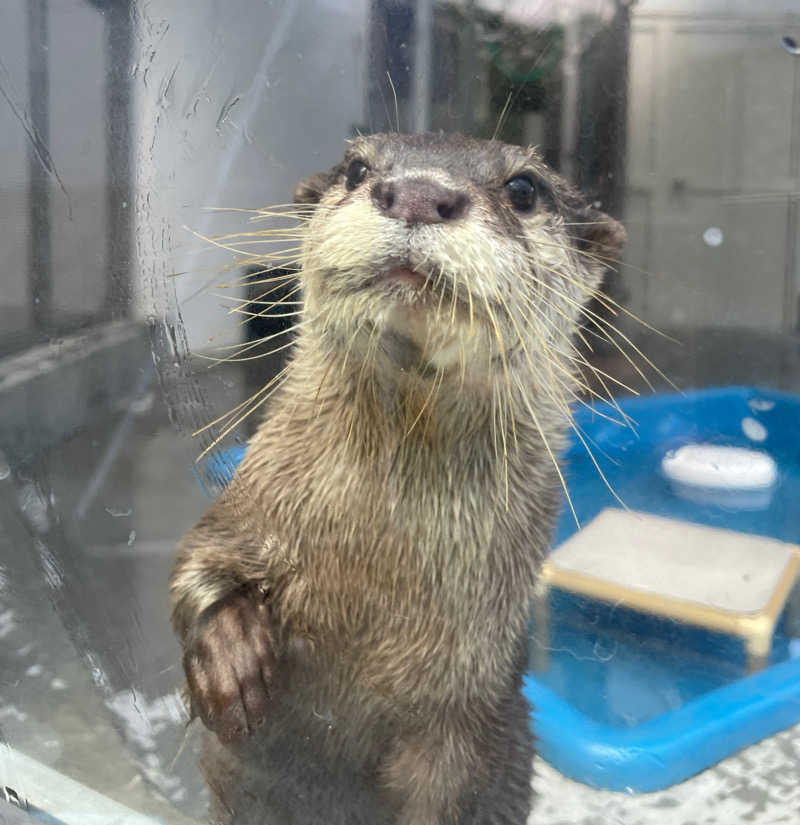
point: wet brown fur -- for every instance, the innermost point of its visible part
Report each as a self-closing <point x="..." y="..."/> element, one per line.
<point x="353" y="609"/>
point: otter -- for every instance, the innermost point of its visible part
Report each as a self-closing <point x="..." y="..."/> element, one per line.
<point x="353" y="609"/>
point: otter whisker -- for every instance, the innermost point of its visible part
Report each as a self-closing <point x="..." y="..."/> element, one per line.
<point x="495" y="396"/>
<point x="577" y="430"/>
<point x="439" y="375"/>
<point x="258" y="249"/>
<point x="577" y="355"/>
<point x="279" y="302"/>
<point x="606" y="300"/>
<point x="364" y="321"/>
<point x="284" y="373"/>
<point x="612" y="329"/>
<point x="283" y="232"/>
<point x="583" y="223"/>
<point x="575" y="398"/>
<point x="498" y="427"/>
<point x="300" y="216"/>
<point x="553" y="459"/>
<point x="373" y="381"/>
<point x="438" y="380"/>
<point x="249" y="210"/>
<point x="396" y="107"/>
<point x="263" y="313"/>
<point x="570" y="374"/>
<point x="234" y="359"/>
<point x="255" y="301"/>
<point x="437" y="286"/>
<point x="606" y="261"/>
<point x="503" y="357"/>
<point x="553" y="360"/>
<point x="253" y="279"/>
<point x="239" y="247"/>
<point x="277" y="279"/>
<point x="298" y="212"/>
<point x="494" y="428"/>
<point x="240" y="405"/>
<point x="584" y="439"/>
<point x="267" y="267"/>
<point x="606" y="326"/>
<point x="218" y="244"/>
<point x="454" y="277"/>
<point x="317" y="405"/>
<point x="462" y="365"/>
<point x="284" y="257"/>
<point x="365" y="363"/>
<point x="243" y="347"/>
<point x="502" y="115"/>
<point x="608" y="398"/>
<point x="243" y="301"/>
<point x="549" y="391"/>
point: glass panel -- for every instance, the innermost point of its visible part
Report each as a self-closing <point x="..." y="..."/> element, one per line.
<point x="140" y="324"/>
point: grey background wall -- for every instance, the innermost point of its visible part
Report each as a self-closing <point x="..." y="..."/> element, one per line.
<point x="714" y="144"/>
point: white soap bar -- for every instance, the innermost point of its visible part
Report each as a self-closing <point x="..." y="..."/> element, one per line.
<point x="720" y="468"/>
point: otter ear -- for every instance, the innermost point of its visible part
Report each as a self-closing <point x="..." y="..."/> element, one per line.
<point x="601" y="235"/>
<point x="311" y="189"/>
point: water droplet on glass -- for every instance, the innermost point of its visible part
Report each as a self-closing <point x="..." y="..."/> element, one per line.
<point x="713" y="236"/>
<point x="118" y="513"/>
<point x="5" y="469"/>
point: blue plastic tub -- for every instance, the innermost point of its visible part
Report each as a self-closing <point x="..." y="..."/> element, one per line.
<point x="632" y="702"/>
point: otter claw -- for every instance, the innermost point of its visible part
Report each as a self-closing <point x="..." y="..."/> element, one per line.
<point x="229" y="660"/>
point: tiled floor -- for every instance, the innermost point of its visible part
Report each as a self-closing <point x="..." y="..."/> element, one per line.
<point x="89" y="673"/>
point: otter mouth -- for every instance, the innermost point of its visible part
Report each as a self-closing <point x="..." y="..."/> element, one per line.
<point x="402" y="276"/>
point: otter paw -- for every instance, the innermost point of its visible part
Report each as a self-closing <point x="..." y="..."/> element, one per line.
<point x="229" y="660"/>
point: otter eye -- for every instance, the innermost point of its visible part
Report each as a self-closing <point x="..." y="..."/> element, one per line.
<point x="522" y="193"/>
<point x="356" y="172"/>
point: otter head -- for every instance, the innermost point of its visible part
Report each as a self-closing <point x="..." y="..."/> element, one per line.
<point x="448" y="256"/>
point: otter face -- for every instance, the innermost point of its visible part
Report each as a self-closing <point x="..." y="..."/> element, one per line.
<point x="450" y="255"/>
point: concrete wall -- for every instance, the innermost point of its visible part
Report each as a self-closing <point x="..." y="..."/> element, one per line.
<point x="713" y="164"/>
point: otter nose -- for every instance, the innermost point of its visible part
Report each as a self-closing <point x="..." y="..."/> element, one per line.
<point x="418" y="200"/>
